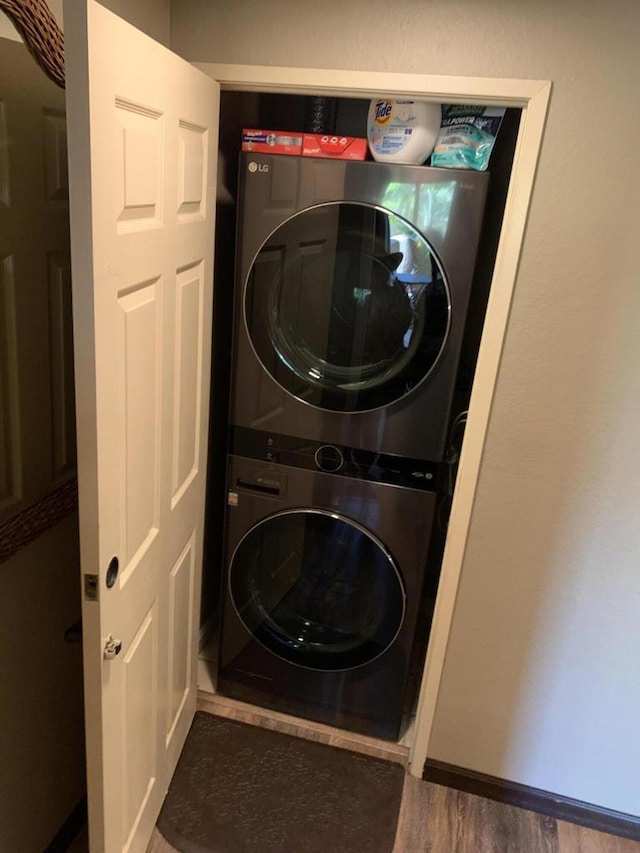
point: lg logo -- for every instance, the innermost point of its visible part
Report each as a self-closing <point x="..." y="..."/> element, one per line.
<point x="257" y="167"/>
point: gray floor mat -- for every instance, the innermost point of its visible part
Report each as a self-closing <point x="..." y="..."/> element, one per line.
<point x="244" y="789"/>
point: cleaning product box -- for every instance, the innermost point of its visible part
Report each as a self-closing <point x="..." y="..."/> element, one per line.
<point x="271" y="141"/>
<point x="335" y="147"/>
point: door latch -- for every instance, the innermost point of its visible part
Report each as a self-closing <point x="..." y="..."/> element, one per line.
<point x="112" y="648"/>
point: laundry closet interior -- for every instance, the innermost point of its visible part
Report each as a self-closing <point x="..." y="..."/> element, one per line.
<point x="349" y="300"/>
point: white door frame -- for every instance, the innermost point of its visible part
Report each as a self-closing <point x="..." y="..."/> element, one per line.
<point x="532" y="97"/>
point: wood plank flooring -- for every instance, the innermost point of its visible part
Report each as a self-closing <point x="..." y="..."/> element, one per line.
<point x="440" y="820"/>
<point x="232" y="709"/>
<point x="577" y="839"/>
<point x="455" y="822"/>
<point x="433" y="818"/>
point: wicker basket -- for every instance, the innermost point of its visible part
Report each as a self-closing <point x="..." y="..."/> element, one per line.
<point x="40" y="32"/>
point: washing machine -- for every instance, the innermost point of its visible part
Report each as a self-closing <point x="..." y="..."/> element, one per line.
<point x="352" y="286"/>
<point x="323" y="583"/>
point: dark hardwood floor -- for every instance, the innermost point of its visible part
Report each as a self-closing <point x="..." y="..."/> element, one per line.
<point x="434" y="819"/>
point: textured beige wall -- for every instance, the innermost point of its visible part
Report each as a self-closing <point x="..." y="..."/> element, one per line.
<point x="150" y="16"/>
<point x="7" y="30"/>
<point x="542" y="676"/>
<point x="41" y="726"/>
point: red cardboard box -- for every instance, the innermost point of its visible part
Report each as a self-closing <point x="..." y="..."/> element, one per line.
<point x="335" y="147"/>
<point x="271" y="141"/>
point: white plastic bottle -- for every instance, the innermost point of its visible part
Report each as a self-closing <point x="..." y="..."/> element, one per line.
<point x="402" y="131"/>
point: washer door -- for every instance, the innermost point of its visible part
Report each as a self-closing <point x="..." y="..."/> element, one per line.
<point x="317" y="590"/>
<point x="347" y="307"/>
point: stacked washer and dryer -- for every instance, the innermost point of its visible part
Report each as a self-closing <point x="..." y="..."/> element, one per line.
<point x="352" y="285"/>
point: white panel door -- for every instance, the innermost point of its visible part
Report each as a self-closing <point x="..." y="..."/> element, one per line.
<point x="142" y="142"/>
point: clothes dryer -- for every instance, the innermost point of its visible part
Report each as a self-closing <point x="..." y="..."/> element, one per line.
<point x="352" y="286"/>
<point x="323" y="581"/>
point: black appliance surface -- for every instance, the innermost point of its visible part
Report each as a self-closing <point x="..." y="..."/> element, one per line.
<point x="352" y="285"/>
<point x="335" y="459"/>
<point x="323" y="582"/>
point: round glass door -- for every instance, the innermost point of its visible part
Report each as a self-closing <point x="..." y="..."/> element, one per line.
<point x="317" y="590"/>
<point x="347" y="306"/>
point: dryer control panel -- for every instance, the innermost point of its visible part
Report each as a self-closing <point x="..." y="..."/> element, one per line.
<point x="335" y="459"/>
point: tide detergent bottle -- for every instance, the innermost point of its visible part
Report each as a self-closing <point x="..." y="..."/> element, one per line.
<point x="402" y="131"/>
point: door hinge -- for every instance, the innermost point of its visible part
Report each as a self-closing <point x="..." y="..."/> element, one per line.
<point x="91" y="587"/>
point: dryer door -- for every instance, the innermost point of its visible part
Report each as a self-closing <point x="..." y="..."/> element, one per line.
<point x="347" y="307"/>
<point x="317" y="590"/>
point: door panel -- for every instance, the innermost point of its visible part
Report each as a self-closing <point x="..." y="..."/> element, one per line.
<point x="139" y="177"/>
<point x="187" y="379"/>
<point x="139" y="722"/>
<point x="181" y="613"/>
<point x="139" y="342"/>
<point x="142" y="135"/>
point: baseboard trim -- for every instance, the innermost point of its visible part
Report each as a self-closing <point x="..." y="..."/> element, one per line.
<point x="70" y="829"/>
<point x="534" y="799"/>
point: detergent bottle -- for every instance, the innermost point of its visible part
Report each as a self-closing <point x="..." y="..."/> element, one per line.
<point x="402" y="131"/>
